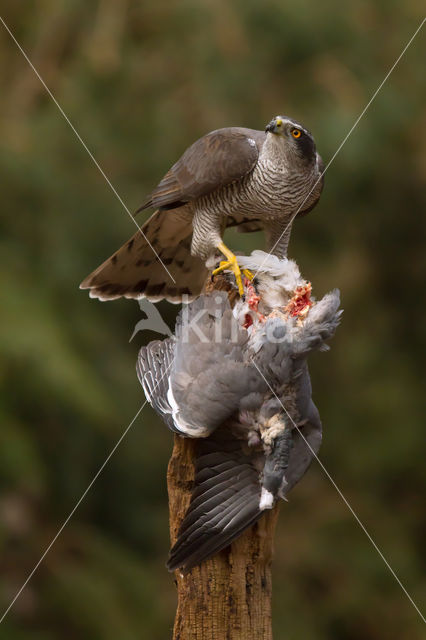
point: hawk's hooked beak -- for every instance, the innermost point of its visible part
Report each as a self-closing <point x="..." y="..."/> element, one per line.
<point x="274" y="126"/>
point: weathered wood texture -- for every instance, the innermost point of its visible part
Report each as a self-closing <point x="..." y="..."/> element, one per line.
<point x="227" y="597"/>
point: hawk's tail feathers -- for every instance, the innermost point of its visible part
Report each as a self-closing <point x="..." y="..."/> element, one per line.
<point x="135" y="271"/>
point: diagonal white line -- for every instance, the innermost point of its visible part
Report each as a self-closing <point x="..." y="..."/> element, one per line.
<point x="64" y="115"/>
<point x="347" y="135"/>
<point x="96" y="476"/>
<point x="345" y="500"/>
<point x="101" y="468"/>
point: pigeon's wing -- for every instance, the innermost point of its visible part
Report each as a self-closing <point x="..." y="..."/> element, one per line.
<point x="198" y="379"/>
<point x="209" y="378"/>
<point x="320" y="325"/>
<point x="224" y="503"/>
<point x="217" y="159"/>
<point x="153" y="370"/>
<point x="227" y="495"/>
<point x="307" y="437"/>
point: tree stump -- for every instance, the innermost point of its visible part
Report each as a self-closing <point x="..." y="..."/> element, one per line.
<point x="227" y="597"/>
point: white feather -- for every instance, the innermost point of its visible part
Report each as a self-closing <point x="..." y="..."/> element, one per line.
<point x="266" y="500"/>
<point x="181" y="424"/>
<point x="276" y="278"/>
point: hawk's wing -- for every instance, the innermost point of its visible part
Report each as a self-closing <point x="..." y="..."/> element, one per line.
<point x="316" y="191"/>
<point x="215" y="160"/>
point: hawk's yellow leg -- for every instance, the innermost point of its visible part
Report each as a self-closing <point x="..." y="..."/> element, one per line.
<point x="232" y="264"/>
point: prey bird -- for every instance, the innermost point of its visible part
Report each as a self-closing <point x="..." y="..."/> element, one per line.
<point x="236" y="380"/>
<point x="248" y="179"/>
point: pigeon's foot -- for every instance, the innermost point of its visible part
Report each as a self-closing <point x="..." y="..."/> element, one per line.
<point x="231" y="264"/>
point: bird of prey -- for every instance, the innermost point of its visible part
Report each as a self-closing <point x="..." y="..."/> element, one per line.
<point x="237" y="381"/>
<point x="234" y="176"/>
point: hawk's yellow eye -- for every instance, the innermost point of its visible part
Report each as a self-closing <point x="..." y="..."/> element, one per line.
<point x="296" y="133"/>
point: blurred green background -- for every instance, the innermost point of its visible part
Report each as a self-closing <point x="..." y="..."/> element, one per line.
<point x="141" y="81"/>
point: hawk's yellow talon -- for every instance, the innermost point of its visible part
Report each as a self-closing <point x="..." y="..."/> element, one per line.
<point x="232" y="264"/>
<point x="248" y="274"/>
<point x="222" y="266"/>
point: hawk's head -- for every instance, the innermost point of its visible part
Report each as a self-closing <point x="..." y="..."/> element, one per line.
<point x="295" y="135"/>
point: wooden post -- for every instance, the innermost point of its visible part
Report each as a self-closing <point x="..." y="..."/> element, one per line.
<point x="227" y="597"/>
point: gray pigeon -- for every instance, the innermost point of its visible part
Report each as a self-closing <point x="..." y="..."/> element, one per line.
<point x="237" y="381"/>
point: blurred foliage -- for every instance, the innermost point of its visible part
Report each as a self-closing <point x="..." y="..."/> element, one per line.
<point x="140" y="81"/>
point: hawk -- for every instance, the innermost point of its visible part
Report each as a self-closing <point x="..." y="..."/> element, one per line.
<point x="237" y="381"/>
<point x="239" y="177"/>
